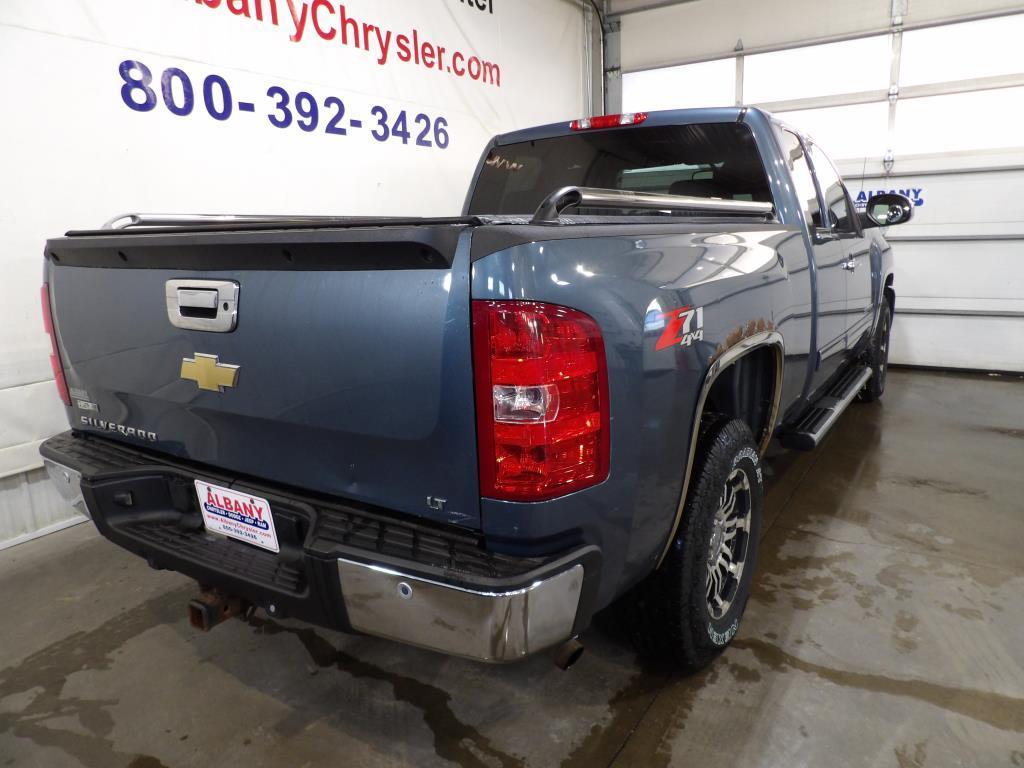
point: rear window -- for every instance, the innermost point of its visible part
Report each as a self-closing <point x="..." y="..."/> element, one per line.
<point x="718" y="160"/>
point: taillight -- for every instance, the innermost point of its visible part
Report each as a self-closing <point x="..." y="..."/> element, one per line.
<point x="542" y="400"/>
<point x="58" y="369"/>
<point x="607" y="121"/>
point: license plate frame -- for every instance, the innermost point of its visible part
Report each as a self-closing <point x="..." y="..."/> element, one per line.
<point x="237" y="515"/>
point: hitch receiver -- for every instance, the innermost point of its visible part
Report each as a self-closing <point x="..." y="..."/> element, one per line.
<point x="212" y="607"/>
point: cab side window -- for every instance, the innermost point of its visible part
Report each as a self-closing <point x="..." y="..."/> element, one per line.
<point x="796" y="160"/>
<point x="836" y="199"/>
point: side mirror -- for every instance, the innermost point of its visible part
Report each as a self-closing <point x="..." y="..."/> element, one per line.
<point x="886" y="210"/>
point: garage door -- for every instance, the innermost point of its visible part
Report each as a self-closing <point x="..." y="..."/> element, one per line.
<point x="960" y="262"/>
<point x="922" y="109"/>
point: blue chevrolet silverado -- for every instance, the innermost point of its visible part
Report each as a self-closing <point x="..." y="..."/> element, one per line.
<point x="472" y="433"/>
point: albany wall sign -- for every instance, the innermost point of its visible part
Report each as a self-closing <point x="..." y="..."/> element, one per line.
<point x="916" y="195"/>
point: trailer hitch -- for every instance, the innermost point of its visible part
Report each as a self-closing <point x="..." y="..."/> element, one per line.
<point x="212" y="606"/>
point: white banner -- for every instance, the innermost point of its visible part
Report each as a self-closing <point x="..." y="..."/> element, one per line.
<point x="254" y="106"/>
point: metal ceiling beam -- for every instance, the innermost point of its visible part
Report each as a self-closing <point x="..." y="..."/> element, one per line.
<point x="650" y="6"/>
<point x="950" y="87"/>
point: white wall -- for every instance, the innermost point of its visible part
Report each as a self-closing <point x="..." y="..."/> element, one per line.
<point x="74" y="154"/>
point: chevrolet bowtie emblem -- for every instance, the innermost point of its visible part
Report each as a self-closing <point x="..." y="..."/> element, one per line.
<point x="208" y="372"/>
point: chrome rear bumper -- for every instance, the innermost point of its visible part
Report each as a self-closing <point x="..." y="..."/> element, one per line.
<point x="497" y="626"/>
<point x="69" y="484"/>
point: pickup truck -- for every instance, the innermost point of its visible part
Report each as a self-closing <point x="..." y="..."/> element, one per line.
<point x="472" y="433"/>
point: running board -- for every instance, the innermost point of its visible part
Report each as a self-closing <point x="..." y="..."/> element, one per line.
<point x="812" y="427"/>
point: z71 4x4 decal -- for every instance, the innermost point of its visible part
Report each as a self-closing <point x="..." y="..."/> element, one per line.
<point x="683" y="326"/>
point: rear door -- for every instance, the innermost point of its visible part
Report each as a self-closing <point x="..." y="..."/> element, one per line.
<point x="842" y="220"/>
<point x="347" y="369"/>
<point x="829" y="258"/>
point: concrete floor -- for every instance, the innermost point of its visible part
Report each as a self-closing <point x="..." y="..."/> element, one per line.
<point x="886" y="629"/>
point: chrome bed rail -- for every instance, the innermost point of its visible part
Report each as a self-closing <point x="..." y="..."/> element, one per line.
<point x="131" y="220"/>
<point x="591" y="197"/>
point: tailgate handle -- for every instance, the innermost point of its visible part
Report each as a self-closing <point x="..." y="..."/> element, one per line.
<point x="197" y="298"/>
<point x="202" y="305"/>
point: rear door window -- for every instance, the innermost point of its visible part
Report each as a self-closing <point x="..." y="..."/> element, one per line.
<point x="800" y="171"/>
<point x="836" y="199"/>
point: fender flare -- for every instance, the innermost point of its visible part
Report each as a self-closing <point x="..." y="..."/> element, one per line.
<point x="720" y="364"/>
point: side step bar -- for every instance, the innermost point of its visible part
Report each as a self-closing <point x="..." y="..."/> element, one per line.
<point x="811" y="429"/>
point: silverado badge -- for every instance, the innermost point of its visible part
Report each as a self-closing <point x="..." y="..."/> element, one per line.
<point x="208" y="372"/>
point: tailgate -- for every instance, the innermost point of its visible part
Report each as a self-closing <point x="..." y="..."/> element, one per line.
<point x="352" y="349"/>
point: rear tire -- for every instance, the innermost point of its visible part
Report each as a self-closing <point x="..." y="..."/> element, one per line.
<point x="686" y="612"/>
<point x="878" y="356"/>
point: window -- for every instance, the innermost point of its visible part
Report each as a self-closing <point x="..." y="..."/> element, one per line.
<point x="959" y="121"/>
<point x="717" y="160"/>
<point x="708" y="84"/>
<point x="818" y="70"/>
<point x="854" y="131"/>
<point x="834" y="192"/>
<point x="796" y="161"/>
<point x="962" y="51"/>
<point x="960" y="87"/>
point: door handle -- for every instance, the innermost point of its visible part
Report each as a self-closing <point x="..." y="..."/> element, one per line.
<point x="850" y="265"/>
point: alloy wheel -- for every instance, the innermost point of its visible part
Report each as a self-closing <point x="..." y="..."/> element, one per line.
<point x="729" y="543"/>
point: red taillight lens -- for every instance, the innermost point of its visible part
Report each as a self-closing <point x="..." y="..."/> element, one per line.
<point x="58" y="369"/>
<point x="607" y="121"/>
<point x="542" y="400"/>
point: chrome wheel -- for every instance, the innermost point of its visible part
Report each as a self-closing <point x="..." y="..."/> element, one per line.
<point x="727" y="549"/>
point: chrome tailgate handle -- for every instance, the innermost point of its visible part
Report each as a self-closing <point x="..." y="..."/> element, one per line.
<point x="196" y="298"/>
<point x="202" y="305"/>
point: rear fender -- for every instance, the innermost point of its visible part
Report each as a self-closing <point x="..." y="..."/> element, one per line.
<point x="669" y="315"/>
<point x="728" y="359"/>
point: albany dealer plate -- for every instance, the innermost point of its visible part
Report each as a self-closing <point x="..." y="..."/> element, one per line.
<point x="238" y="515"/>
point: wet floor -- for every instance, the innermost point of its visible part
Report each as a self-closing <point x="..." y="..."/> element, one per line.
<point x="886" y="629"/>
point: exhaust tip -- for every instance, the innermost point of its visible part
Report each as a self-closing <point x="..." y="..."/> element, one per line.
<point x="568" y="653"/>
